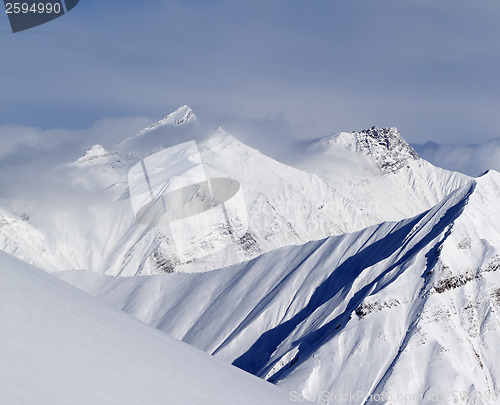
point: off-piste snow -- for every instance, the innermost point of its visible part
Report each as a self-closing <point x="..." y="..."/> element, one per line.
<point x="364" y="274"/>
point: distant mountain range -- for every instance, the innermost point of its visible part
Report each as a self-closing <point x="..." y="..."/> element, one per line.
<point x="351" y="181"/>
<point x="364" y="271"/>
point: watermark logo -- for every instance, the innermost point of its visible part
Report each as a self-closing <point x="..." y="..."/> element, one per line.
<point x="27" y="14"/>
<point x="202" y="214"/>
<point x="403" y="398"/>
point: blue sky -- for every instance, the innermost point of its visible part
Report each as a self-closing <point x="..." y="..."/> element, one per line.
<point x="299" y="68"/>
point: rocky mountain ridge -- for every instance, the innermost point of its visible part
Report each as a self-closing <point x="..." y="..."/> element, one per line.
<point x="285" y="206"/>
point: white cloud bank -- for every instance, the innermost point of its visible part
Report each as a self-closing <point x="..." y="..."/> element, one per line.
<point x="472" y="159"/>
<point x="28" y="154"/>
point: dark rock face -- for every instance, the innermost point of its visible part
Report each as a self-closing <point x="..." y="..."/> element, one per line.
<point x="387" y="147"/>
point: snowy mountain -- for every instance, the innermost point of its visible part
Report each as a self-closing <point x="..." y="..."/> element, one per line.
<point x="404" y="310"/>
<point x="62" y="346"/>
<point x="359" y="269"/>
<point x="380" y="172"/>
<point x="183" y="115"/>
<point x="97" y="229"/>
<point x="385" y="147"/>
<point x="177" y="127"/>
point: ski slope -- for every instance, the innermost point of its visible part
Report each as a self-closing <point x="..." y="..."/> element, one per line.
<point x="62" y="346"/>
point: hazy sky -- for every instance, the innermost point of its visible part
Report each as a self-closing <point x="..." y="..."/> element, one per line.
<point x="305" y="68"/>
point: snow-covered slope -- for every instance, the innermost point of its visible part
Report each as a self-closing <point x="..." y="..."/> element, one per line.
<point x="177" y="127"/>
<point x="405" y="310"/>
<point x="385" y="147"/>
<point x="94" y="226"/>
<point x="61" y="346"/>
<point x="380" y="172"/>
<point x="414" y="301"/>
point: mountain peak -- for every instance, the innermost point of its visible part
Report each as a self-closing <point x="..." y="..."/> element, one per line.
<point x="94" y="151"/>
<point x="175" y="128"/>
<point x="385" y="146"/>
<point x="97" y="155"/>
<point x="183" y="115"/>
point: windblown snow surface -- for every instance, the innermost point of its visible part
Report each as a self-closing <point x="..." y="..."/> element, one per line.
<point x="367" y="275"/>
<point x="59" y="345"/>
<point x="403" y="312"/>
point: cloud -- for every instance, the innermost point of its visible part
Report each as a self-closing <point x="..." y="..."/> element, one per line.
<point x="472" y="159"/>
<point x="272" y="135"/>
<point x="427" y="67"/>
<point x="28" y="155"/>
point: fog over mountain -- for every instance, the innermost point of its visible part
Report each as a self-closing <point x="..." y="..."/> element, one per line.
<point x="250" y="202"/>
<point x="353" y="271"/>
<point x="472" y="159"/>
